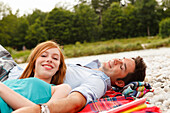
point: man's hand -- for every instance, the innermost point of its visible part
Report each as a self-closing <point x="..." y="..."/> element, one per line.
<point x="71" y="104"/>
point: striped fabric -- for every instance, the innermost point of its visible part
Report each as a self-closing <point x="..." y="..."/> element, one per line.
<point x="6" y="63"/>
<point x="113" y="99"/>
<point x="136" y="89"/>
<point x="110" y="100"/>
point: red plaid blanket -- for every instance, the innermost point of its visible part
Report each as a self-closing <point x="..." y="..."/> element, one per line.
<point x="112" y="100"/>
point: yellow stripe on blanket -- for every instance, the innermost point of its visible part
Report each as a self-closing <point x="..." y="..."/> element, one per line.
<point x="142" y="106"/>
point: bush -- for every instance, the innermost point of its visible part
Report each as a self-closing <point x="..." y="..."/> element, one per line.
<point x="161" y="43"/>
<point x="10" y="50"/>
<point x="164" y="28"/>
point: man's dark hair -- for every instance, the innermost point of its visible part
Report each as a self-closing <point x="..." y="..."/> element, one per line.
<point x="139" y="72"/>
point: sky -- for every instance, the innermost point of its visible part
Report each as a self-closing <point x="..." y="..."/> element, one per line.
<point x="27" y="6"/>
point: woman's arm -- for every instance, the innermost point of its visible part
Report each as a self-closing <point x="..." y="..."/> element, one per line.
<point x="12" y="98"/>
<point x="71" y="104"/>
<point x="58" y="92"/>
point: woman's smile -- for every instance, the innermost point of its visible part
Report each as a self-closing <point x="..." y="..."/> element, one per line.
<point x="47" y="66"/>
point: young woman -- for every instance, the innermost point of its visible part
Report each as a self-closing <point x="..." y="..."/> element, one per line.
<point x="46" y="66"/>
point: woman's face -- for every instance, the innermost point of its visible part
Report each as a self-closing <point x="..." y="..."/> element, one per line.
<point x="47" y="64"/>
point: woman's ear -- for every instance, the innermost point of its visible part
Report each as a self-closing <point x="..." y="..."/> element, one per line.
<point x="120" y="83"/>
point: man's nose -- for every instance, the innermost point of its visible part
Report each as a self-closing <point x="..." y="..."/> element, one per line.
<point x="118" y="61"/>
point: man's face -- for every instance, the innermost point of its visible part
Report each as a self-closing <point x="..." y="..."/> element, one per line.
<point x="118" y="68"/>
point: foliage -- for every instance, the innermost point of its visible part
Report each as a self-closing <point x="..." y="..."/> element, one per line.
<point x="21" y="32"/>
<point x="165" y="4"/>
<point x="11" y="50"/>
<point x="145" y="12"/>
<point x="129" y="25"/>
<point x="102" y="5"/>
<point x="166" y="13"/>
<point x="8" y="30"/>
<point x="114" y="46"/>
<point x="113" y="22"/>
<point x="164" y="26"/>
<point x="101" y="47"/>
<point x="36" y="14"/>
<point x="21" y="56"/>
<point x="58" y="25"/>
<point x="13" y="30"/>
<point x="98" y="20"/>
<point x="35" y="34"/>
<point x="4" y="10"/>
<point x="160" y="43"/>
<point x="84" y="24"/>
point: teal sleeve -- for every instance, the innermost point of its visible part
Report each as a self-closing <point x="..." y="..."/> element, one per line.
<point x="33" y="89"/>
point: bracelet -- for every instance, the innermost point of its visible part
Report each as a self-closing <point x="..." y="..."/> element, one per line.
<point x="44" y="108"/>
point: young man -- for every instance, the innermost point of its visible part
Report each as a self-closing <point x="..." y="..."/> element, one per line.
<point x="91" y="84"/>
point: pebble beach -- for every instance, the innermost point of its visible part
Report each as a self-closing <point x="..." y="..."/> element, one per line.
<point x="157" y="73"/>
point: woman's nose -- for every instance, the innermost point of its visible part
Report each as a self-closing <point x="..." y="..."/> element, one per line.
<point x="49" y="60"/>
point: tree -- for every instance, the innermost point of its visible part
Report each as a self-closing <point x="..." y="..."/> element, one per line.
<point x="164" y="30"/>
<point x="101" y="5"/>
<point x="113" y="22"/>
<point x="132" y="1"/>
<point x="4" y="39"/>
<point x="21" y="32"/>
<point x="4" y="10"/>
<point x="58" y="25"/>
<point x="35" y="34"/>
<point x="129" y="26"/>
<point x="166" y="13"/>
<point x="165" y="4"/>
<point x="13" y="30"/>
<point x="36" y="14"/>
<point x="146" y="14"/>
<point x="85" y="24"/>
<point x="8" y="29"/>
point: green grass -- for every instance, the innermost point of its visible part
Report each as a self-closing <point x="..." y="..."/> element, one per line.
<point x="114" y="46"/>
<point x="102" y="47"/>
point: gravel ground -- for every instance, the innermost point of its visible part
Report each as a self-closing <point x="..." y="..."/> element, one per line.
<point x="158" y="72"/>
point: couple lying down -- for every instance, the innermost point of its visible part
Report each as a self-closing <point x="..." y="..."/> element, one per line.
<point x="48" y="85"/>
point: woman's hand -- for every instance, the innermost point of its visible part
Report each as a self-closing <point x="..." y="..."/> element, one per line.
<point x="30" y="109"/>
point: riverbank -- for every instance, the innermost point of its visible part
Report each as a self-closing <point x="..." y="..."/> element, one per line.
<point x="157" y="73"/>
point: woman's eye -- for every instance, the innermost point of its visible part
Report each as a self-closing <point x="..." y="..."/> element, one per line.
<point x="43" y="55"/>
<point x="55" y="58"/>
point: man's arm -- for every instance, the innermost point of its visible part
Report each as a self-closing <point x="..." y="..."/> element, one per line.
<point x="72" y="103"/>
